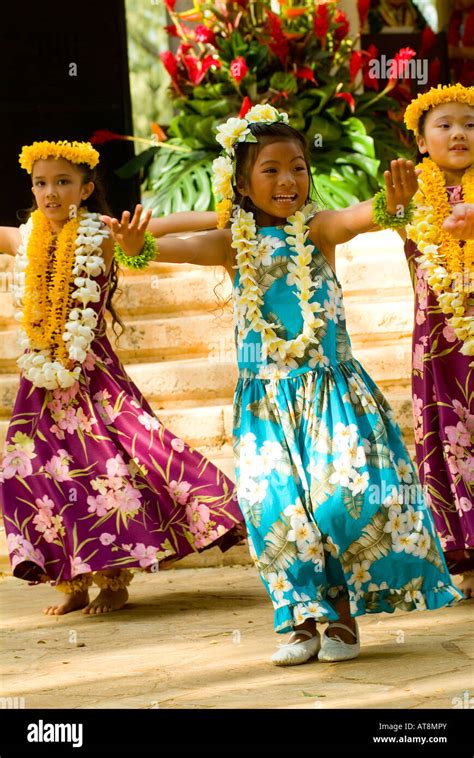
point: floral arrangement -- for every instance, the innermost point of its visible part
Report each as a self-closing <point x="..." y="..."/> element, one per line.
<point x="295" y="55"/>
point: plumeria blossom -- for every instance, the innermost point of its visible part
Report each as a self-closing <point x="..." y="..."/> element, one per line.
<point x="278" y="584"/>
<point x="360" y="574"/>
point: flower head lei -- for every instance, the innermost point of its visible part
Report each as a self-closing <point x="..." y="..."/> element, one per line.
<point x="54" y="285"/>
<point x="449" y="265"/>
<point x="246" y="244"/>
<point x="75" y="152"/>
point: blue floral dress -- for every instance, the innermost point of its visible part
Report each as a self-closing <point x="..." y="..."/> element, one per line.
<point x="331" y="500"/>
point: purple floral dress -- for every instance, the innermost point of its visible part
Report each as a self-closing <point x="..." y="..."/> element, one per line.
<point x="443" y="409"/>
<point x="91" y="480"/>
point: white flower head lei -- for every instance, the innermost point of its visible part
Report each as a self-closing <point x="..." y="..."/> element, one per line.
<point x="246" y="243"/>
<point x="38" y="366"/>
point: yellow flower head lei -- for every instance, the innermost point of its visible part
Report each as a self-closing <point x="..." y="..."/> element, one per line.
<point x="245" y="241"/>
<point x="236" y="130"/>
<point x="75" y="152"/>
<point x="454" y="93"/>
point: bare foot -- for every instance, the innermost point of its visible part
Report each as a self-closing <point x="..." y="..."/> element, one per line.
<point x="467" y="585"/>
<point x="72" y="602"/>
<point x="107" y="600"/>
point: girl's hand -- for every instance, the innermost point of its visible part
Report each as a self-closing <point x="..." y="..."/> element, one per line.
<point x="401" y="184"/>
<point x="130" y="235"/>
<point x="460" y="224"/>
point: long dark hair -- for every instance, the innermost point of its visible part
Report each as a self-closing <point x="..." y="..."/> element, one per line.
<point x="97" y="203"/>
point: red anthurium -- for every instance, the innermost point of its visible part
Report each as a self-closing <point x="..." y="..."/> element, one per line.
<point x="348" y="98"/>
<point x="238" y="68"/>
<point x="104" y="135"/>
<point x="342" y="29"/>
<point x="170" y="63"/>
<point x="355" y="64"/>
<point x="245" y="107"/>
<point x="204" y="34"/>
<point x="305" y="72"/>
<point x="428" y="38"/>
<point x="363" y="8"/>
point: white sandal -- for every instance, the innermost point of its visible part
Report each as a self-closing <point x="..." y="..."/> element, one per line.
<point x="334" y="649"/>
<point x="294" y="653"/>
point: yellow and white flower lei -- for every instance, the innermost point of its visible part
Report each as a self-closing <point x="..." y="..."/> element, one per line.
<point x="40" y="365"/>
<point x="245" y="242"/>
<point x="223" y="168"/>
<point x="449" y="267"/>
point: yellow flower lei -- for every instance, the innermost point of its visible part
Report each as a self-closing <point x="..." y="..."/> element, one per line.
<point x="436" y="96"/>
<point x="449" y="267"/>
<point x="45" y="308"/>
<point x="75" y="152"/>
<point x="244" y="240"/>
<point x="57" y="327"/>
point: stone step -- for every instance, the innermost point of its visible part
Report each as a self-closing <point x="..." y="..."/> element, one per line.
<point x="208" y="334"/>
<point x="196" y="379"/>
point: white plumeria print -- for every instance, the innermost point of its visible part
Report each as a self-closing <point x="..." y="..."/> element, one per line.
<point x="278" y="584"/>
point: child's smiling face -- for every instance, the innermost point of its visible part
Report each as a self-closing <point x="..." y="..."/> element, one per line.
<point x="278" y="182"/>
<point x="448" y="137"/>
<point x="59" y="185"/>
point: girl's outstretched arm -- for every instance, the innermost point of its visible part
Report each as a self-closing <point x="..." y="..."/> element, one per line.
<point x="210" y="248"/>
<point x="186" y="221"/>
<point x="10" y="239"/>
<point x="331" y="228"/>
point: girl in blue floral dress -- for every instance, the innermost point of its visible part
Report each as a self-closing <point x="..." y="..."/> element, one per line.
<point x="337" y="524"/>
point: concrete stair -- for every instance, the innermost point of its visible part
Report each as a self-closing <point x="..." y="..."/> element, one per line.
<point x="179" y="349"/>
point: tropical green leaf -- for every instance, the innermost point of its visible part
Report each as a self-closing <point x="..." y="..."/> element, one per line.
<point x="263" y="410"/>
<point x="352" y="504"/>
<point x="322" y="488"/>
<point x="279" y="552"/>
<point x="374" y="542"/>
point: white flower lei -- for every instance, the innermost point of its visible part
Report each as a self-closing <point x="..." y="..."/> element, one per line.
<point x="244" y="240"/>
<point x="37" y="365"/>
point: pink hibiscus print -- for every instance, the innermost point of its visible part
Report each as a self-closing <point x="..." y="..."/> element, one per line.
<point x="17" y="463"/>
<point x="58" y="467"/>
<point x="78" y="566"/>
<point x="418" y="358"/>
<point x="116" y="466"/>
<point x="449" y="334"/>
<point x="145" y="555"/>
<point x="107" y="539"/>
<point x="458" y="435"/>
<point x="179" y="491"/>
<point x="464" y="505"/>
<point x="177" y="444"/>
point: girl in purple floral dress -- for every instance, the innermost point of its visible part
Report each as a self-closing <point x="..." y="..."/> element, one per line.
<point x="443" y="338"/>
<point x="92" y="484"/>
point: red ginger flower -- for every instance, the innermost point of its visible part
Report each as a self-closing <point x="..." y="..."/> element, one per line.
<point x="400" y="62"/>
<point x="342" y="29"/>
<point x="305" y="72"/>
<point x="197" y="69"/>
<point x="321" y="21"/>
<point x="170" y="5"/>
<point x="238" y="68"/>
<point x="279" y="46"/>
